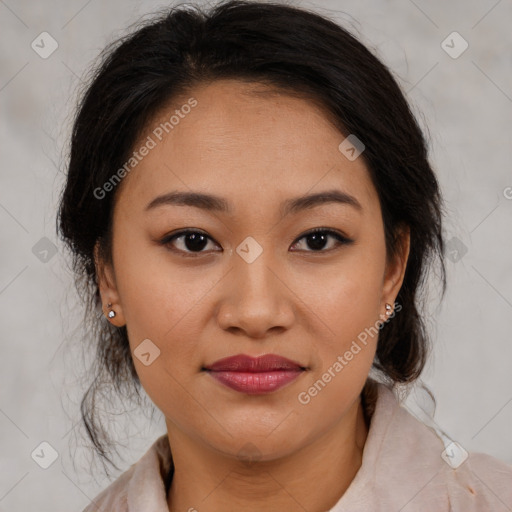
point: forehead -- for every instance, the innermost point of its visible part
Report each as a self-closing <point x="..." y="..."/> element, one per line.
<point x="247" y="142"/>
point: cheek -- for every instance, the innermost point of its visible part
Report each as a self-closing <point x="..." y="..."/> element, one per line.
<point x="163" y="308"/>
<point x="349" y="307"/>
<point x="351" y="302"/>
<point x="347" y="300"/>
<point x="332" y="390"/>
<point x="346" y="296"/>
<point x="161" y="303"/>
<point x="155" y="293"/>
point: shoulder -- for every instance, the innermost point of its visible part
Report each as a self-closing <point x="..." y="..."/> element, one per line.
<point x="114" y="497"/>
<point x="480" y="483"/>
<point x="141" y="486"/>
<point x="436" y="468"/>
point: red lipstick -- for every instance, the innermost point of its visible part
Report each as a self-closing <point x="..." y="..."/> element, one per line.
<point x="255" y="375"/>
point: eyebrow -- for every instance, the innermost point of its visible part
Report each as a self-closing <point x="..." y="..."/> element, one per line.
<point x="211" y="202"/>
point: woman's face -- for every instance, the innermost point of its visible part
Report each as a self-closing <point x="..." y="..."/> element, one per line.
<point x="255" y="284"/>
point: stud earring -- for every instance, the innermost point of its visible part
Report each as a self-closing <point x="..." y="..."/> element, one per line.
<point x="389" y="309"/>
<point x="111" y="313"/>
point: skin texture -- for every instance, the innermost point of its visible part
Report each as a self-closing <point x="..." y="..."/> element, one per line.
<point x="254" y="150"/>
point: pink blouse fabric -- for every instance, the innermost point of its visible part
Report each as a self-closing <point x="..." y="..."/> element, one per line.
<point x="402" y="470"/>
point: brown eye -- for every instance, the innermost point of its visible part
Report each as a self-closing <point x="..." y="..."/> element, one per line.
<point x="189" y="241"/>
<point x="318" y="238"/>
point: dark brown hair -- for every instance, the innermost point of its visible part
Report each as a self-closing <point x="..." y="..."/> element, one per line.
<point x="295" y="51"/>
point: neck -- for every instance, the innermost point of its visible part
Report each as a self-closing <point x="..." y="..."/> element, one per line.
<point x="313" y="478"/>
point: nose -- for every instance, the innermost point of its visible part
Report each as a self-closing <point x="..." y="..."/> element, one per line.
<point x="257" y="300"/>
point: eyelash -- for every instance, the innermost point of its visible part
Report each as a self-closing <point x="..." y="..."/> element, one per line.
<point x="342" y="240"/>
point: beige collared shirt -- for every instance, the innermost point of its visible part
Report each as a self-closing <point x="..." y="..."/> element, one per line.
<point x="402" y="470"/>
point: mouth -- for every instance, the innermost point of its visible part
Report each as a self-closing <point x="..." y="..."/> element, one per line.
<point x="255" y="376"/>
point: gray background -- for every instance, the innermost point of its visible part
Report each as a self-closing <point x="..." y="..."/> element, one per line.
<point x="467" y="104"/>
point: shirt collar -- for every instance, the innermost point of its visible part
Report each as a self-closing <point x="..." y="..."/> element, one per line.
<point x="401" y="458"/>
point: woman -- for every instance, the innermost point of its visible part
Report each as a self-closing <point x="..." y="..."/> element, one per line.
<point x="250" y="204"/>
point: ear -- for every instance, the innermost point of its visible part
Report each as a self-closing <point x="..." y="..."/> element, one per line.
<point x="395" y="268"/>
<point x="107" y="287"/>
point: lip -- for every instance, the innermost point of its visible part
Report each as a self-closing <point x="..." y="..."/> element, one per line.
<point x="255" y="375"/>
<point x="245" y="363"/>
